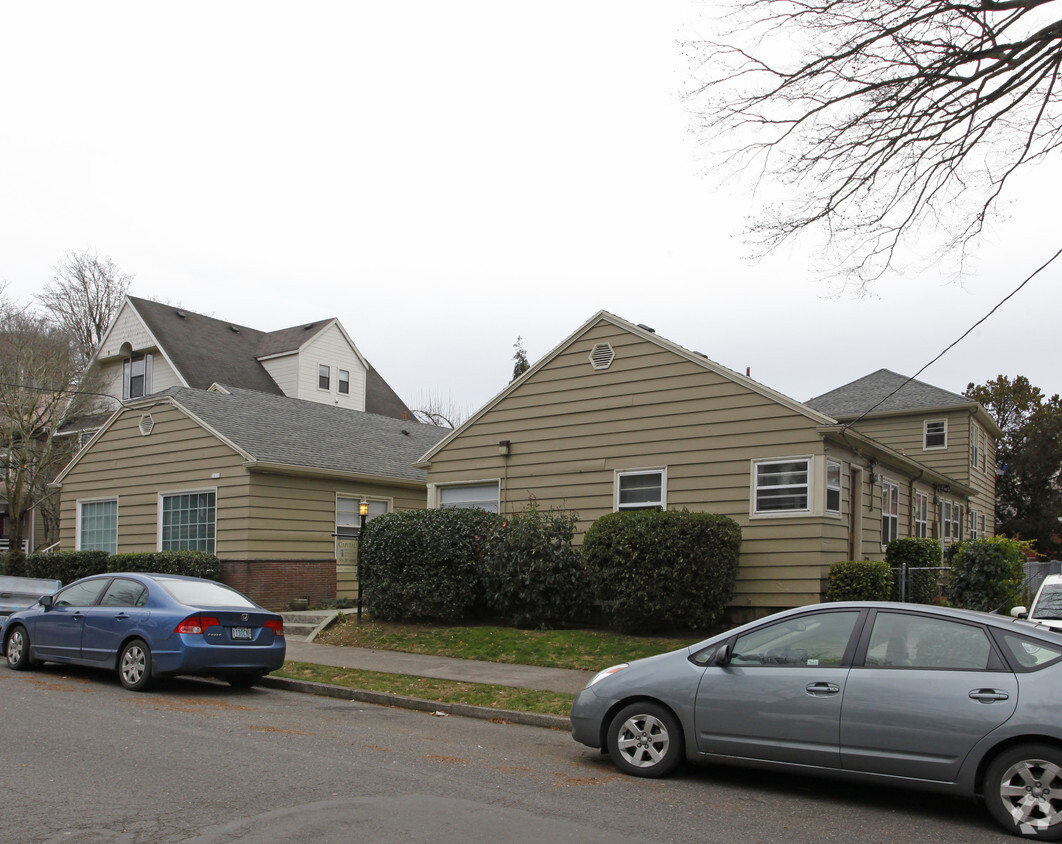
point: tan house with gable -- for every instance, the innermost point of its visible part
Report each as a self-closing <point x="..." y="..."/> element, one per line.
<point x="270" y="484"/>
<point x="617" y="417"/>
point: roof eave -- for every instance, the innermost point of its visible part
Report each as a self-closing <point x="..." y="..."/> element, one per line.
<point x="265" y="466"/>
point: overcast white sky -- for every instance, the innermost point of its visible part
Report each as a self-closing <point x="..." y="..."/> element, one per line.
<point x="446" y="176"/>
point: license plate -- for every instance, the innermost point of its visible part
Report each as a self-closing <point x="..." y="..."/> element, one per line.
<point x="241" y="632"/>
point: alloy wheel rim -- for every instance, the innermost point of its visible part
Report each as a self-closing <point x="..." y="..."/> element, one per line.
<point x="14" y="647"/>
<point x="1031" y="791"/>
<point x="643" y="741"/>
<point x="133" y="665"/>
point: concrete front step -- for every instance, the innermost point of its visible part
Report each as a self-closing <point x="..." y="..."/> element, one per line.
<point x="304" y="626"/>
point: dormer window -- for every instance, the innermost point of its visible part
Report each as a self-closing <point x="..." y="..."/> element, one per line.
<point x="324" y="377"/>
<point x="136" y="376"/>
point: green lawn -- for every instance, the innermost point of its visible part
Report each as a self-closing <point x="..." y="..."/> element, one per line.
<point x="588" y="650"/>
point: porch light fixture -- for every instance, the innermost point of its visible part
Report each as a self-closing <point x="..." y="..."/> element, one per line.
<point x="504" y="448"/>
<point x="363" y="511"/>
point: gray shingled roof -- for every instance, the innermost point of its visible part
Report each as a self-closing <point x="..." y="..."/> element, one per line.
<point x="310" y="435"/>
<point x="209" y="351"/>
<point x="864" y="393"/>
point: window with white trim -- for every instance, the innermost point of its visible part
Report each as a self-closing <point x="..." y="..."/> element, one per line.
<point x="348" y="514"/>
<point x="921" y="515"/>
<point x="950" y="522"/>
<point x="936" y="434"/>
<point x="97" y="525"/>
<point x="136" y="376"/>
<point x="470" y="496"/>
<point x="324" y="376"/>
<point x="890" y="511"/>
<point x="833" y="486"/>
<point x="978" y="447"/>
<point x="188" y="521"/>
<point x="781" y="486"/>
<point x="973" y="524"/>
<point x="644" y="489"/>
<point x="343" y="382"/>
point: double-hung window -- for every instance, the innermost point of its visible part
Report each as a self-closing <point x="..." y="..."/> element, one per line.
<point x="921" y="515"/>
<point x="188" y="521"/>
<point x="343" y="382"/>
<point x="97" y="525"/>
<point x="136" y="376"/>
<point x="950" y="522"/>
<point x="781" y="486"/>
<point x="978" y="447"/>
<point x="644" y="489"/>
<point x="936" y="434"/>
<point x="324" y="376"/>
<point x="833" y="486"/>
<point x="890" y="511"/>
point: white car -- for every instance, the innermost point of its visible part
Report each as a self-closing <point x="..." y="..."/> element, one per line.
<point x="1047" y="605"/>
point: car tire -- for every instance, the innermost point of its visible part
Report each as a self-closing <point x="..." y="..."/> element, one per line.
<point x="645" y="740"/>
<point x="1022" y="789"/>
<point x="134" y="666"/>
<point x="17" y="649"/>
<point x="243" y="680"/>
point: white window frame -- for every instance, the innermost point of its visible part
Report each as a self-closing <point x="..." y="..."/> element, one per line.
<point x="950" y="522"/>
<point x="343" y="382"/>
<point x="890" y="495"/>
<point x="324" y="371"/>
<point x="925" y="434"/>
<point x="808" y="486"/>
<point x="661" y="503"/>
<point x="127" y="375"/>
<point x="978" y="449"/>
<point x="921" y="515"/>
<point x="470" y="503"/>
<point x="80" y="504"/>
<point x="834" y="511"/>
<point x="175" y="492"/>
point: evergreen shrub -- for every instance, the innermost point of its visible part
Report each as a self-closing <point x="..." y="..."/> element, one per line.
<point x="916" y="553"/>
<point x="859" y="580"/>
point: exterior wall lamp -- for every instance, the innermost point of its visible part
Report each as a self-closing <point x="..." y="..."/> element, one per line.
<point x="505" y="448"/>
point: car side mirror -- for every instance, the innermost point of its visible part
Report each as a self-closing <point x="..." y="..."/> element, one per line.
<point x="1019" y="612"/>
<point x="722" y="656"/>
<point x="45" y="601"/>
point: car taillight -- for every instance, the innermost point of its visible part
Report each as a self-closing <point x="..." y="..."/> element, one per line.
<point x="196" y="624"/>
<point x="276" y="625"/>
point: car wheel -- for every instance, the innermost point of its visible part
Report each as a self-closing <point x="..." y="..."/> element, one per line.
<point x="17" y="649"/>
<point x="242" y="681"/>
<point x="1023" y="791"/>
<point x="645" y="740"/>
<point x="134" y="666"/>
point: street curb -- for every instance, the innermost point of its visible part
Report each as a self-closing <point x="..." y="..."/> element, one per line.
<point x="485" y="713"/>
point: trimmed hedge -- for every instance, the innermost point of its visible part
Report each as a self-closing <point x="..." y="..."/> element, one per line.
<point x="986" y="574"/>
<point x="13" y="563"/>
<point x="916" y="553"/>
<point x="423" y="565"/>
<point x="859" y="580"/>
<point x="68" y="566"/>
<point x="530" y="571"/>
<point x="663" y="570"/>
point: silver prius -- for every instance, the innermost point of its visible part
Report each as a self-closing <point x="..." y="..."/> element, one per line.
<point x="940" y="699"/>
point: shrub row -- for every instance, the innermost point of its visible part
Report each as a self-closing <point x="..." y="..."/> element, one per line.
<point x="68" y="566"/>
<point x="650" y="570"/>
<point x="985" y="574"/>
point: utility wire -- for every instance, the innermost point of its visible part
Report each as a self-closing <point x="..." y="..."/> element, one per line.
<point x="965" y="334"/>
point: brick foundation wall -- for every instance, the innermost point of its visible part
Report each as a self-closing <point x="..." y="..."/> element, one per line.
<point x="274" y="583"/>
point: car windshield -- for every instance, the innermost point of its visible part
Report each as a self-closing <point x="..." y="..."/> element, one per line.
<point x="1049" y="604"/>
<point x="203" y="593"/>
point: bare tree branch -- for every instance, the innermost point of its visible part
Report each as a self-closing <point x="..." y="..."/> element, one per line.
<point x="893" y="119"/>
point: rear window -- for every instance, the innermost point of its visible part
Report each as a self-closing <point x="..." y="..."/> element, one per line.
<point x="1049" y="603"/>
<point x="202" y="593"/>
<point x="1030" y="653"/>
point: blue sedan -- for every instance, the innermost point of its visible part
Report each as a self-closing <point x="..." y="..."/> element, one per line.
<point x="146" y="626"/>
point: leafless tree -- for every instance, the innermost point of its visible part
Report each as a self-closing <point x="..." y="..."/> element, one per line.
<point x="38" y="366"/>
<point x="434" y="410"/>
<point x="892" y="119"/>
<point x="83" y="298"/>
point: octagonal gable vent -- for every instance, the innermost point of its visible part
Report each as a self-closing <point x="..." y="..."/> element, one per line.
<point x="602" y="356"/>
<point x="147" y="424"/>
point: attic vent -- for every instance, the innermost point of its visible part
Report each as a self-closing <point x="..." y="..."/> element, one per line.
<point x="645" y="327"/>
<point x="181" y="314"/>
<point x="234" y="329"/>
<point x="147" y="424"/>
<point x="602" y="356"/>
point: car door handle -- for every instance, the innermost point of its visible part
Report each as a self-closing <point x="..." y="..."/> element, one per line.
<point x="989" y="695"/>
<point x="822" y="689"/>
<point x="121" y="617"/>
